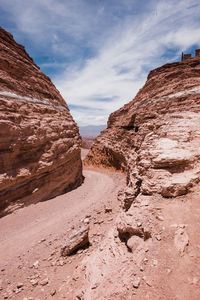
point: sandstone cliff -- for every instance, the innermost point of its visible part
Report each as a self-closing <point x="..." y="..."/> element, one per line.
<point x="155" y="137"/>
<point x="39" y="140"/>
<point x="155" y="140"/>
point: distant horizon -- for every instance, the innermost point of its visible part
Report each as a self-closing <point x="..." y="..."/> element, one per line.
<point x="99" y="53"/>
<point x="91" y="131"/>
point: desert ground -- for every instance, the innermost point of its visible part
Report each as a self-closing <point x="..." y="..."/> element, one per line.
<point x="31" y="239"/>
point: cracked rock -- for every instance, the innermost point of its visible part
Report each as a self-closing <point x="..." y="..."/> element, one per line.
<point x="76" y="240"/>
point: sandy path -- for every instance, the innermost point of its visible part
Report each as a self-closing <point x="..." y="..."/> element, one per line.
<point x="37" y="233"/>
<point x="23" y="228"/>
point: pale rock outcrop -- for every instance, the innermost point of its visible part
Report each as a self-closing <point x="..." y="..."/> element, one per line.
<point x="155" y="140"/>
<point x="76" y="239"/>
<point x="39" y="140"/>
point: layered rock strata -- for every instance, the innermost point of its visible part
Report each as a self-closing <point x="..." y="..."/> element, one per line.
<point x="39" y="140"/>
<point x="155" y="137"/>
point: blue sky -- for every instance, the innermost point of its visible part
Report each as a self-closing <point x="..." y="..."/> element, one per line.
<point x="98" y="52"/>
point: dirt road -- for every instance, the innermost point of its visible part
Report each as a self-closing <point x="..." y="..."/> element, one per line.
<point x="34" y="232"/>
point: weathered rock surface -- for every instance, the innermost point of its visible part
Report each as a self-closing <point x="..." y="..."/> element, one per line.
<point x="181" y="240"/>
<point x="155" y="137"/>
<point x="77" y="239"/>
<point x="155" y="140"/>
<point x="39" y="140"/>
<point x="133" y="223"/>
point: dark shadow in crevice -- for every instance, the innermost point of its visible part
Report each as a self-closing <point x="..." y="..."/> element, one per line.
<point x="86" y="246"/>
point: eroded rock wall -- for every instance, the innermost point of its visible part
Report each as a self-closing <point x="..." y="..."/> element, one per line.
<point x="39" y="140"/>
<point x="155" y="138"/>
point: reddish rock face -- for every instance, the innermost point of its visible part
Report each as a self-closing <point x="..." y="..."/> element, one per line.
<point x="39" y="140"/>
<point x="155" y="137"/>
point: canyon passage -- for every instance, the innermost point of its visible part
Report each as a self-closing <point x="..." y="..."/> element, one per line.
<point x="126" y="225"/>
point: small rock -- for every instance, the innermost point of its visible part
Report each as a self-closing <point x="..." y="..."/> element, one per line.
<point x="146" y="280"/>
<point x="136" y="282"/>
<point x="86" y="221"/>
<point x="154" y="262"/>
<point x="141" y="268"/>
<point x="53" y="252"/>
<point x="41" y="241"/>
<point x="34" y="282"/>
<point x="20" y="267"/>
<point x="17" y="291"/>
<point x="94" y="286"/>
<point x="101" y="248"/>
<point x="158" y="237"/>
<point x="160" y="218"/>
<point x="108" y="209"/>
<point x="20" y="285"/>
<point x="35" y="190"/>
<point x="45" y="281"/>
<point x="98" y="222"/>
<point x="88" y="216"/>
<point x="53" y="292"/>
<point x="133" y="242"/>
<point x="49" y="258"/>
<point x="79" y="295"/>
<point x="169" y="271"/>
<point x="61" y="263"/>
<point x="145" y="260"/>
<point x="36" y="263"/>
<point x="181" y="226"/>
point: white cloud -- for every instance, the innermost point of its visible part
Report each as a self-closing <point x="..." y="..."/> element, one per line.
<point x="119" y="69"/>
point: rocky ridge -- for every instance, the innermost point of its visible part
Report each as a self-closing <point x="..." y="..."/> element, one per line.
<point x="39" y="140"/>
<point x="155" y="140"/>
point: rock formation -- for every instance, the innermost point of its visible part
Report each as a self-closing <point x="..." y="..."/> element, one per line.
<point x="155" y="140"/>
<point x="76" y="240"/>
<point x="39" y="140"/>
<point x="155" y="137"/>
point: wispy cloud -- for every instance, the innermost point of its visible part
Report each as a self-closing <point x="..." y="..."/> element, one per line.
<point x="120" y="67"/>
<point x="99" y="52"/>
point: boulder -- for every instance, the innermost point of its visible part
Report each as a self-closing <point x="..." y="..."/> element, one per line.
<point x="75" y="240"/>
